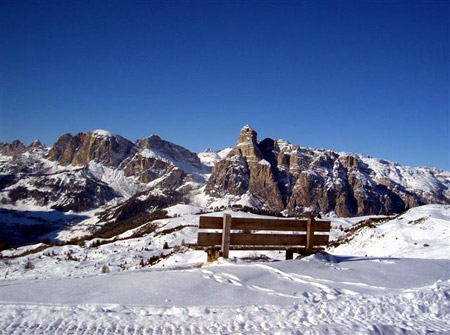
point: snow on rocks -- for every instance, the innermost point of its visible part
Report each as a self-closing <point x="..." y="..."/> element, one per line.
<point x="209" y="157"/>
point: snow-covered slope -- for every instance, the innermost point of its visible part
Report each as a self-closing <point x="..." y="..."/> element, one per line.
<point x="143" y="280"/>
<point x="421" y="232"/>
<point x="209" y="157"/>
<point x="313" y="296"/>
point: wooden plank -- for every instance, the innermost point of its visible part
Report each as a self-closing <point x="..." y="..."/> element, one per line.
<point x="212" y="239"/>
<point x="209" y="222"/>
<point x="321" y="240"/>
<point x="225" y="247"/>
<point x="322" y="226"/>
<point x="298" y="248"/>
<point x="264" y="247"/>
<point x="212" y="222"/>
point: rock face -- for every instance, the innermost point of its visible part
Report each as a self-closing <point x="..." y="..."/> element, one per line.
<point x="299" y="180"/>
<point x="157" y="158"/>
<point x="244" y="170"/>
<point x="99" y="146"/>
<point x="14" y="148"/>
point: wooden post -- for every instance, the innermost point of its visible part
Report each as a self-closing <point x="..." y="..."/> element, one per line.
<point x="226" y="235"/>
<point x="289" y="254"/>
<point x="309" y="235"/>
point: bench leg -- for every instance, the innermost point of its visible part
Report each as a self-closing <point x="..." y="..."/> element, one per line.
<point x="213" y="254"/>
<point x="289" y="254"/>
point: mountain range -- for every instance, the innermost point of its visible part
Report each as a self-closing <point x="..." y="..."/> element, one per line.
<point x="120" y="182"/>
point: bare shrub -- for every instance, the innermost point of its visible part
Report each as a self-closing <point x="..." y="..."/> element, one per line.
<point x="28" y="265"/>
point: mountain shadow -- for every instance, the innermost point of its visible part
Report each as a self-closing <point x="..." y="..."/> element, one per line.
<point x="18" y="228"/>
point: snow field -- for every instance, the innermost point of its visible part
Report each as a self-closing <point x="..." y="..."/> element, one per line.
<point x="317" y="309"/>
<point x="400" y="287"/>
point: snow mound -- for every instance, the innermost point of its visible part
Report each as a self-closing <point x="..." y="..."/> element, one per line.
<point x="181" y="210"/>
<point x="421" y="232"/>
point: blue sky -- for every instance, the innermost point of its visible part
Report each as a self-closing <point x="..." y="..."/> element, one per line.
<point x="359" y="76"/>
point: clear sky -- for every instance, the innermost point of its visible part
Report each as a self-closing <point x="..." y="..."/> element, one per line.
<point x="357" y="76"/>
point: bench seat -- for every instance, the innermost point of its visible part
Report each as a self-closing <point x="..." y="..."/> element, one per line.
<point x="299" y="235"/>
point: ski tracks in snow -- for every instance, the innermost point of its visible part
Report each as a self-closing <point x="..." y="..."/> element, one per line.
<point x="387" y="314"/>
<point x="326" y="311"/>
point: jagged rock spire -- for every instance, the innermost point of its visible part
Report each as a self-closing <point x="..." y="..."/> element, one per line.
<point x="245" y="170"/>
<point x="14" y="148"/>
<point x="247" y="144"/>
<point x="35" y="144"/>
<point x="247" y="135"/>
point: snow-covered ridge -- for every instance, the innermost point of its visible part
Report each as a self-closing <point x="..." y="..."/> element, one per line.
<point x="101" y="132"/>
<point x="156" y="148"/>
<point x="116" y="179"/>
<point x="418" y="178"/>
<point x="209" y="157"/>
<point x="104" y="133"/>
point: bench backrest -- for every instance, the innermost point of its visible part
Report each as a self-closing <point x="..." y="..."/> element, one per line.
<point x="255" y="232"/>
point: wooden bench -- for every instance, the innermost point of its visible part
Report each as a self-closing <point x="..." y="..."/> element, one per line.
<point x="261" y="234"/>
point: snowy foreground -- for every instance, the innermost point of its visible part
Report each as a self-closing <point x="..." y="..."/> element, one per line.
<point x="393" y="278"/>
<point x="315" y="295"/>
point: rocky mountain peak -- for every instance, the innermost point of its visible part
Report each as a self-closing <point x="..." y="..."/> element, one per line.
<point x="302" y="180"/>
<point x="35" y="144"/>
<point x="99" y="146"/>
<point x="154" y="141"/>
<point x="247" y="144"/>
<point x="14" y="148"/>
<point x="270" y="174"/>
<point x="245" y="169"/>
<point x="36" y="148"/>
<point x="159" y="159"/>
<point x="154" y="146"/>
<point x="247" y="135"/>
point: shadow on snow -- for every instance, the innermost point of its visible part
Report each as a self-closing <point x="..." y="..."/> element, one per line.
<point x="27" y="227"/>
